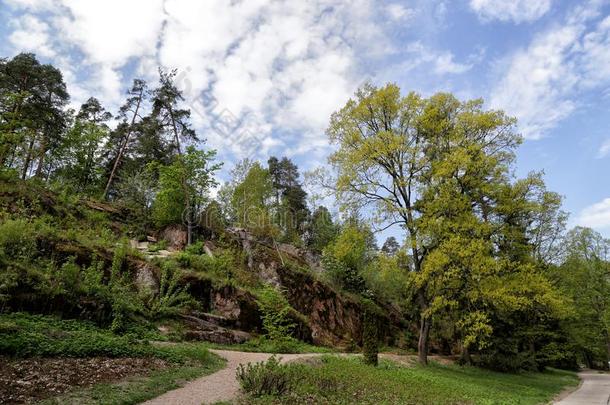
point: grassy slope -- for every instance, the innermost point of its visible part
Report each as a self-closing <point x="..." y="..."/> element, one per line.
<point x="348" y="381"/>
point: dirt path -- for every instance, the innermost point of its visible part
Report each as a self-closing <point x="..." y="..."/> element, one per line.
<point x="220" y="386"/>
<point x="594" y="390"/>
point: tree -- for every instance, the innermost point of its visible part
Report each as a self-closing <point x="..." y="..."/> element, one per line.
<point x="436" y="167"/>
<point x="184" y="188"/>
<point x="370" y="338"/>
<point x="129" y="113"/>
<point x="322" y="230"/>
<point x="348" y="255"/>
<point x="251" y="201"/>
<point x="390" y="246"/>
<point x="172" y="121"/>
<point x="583" y="277"/>
<point x="290" y="206"/>
<point x="80" y="153"/>
<point x="33" y="121"/>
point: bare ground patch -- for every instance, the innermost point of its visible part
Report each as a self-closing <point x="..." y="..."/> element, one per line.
<point x="29" y="380"/>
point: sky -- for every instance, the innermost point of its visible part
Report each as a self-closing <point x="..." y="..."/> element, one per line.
<point x="263" y="76"/>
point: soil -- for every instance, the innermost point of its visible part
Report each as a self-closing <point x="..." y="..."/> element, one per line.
<point x="24" y="381"/>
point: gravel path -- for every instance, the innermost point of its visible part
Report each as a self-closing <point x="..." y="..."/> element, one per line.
<point x="595" y="390"/>
<point x="220" y="386"/>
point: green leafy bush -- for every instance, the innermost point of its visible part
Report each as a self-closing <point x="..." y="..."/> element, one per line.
<point x="275" y="310"/>
<point x="172" y="298"/>
<point x="370" y="339"/>
<point x="265" y="378"/>
<point x="17" y="239"/>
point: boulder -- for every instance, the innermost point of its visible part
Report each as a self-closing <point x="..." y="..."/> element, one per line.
<point x="146" y="279"/>
<point x="175" y="236"/>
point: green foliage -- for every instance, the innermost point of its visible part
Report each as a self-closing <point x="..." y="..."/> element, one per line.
<point x="265" y="378"/>
<point x="172" y="298"/>
<point x="250" y="201"/>
<point x="184" y="186"/>
<point x="275" y="311"/>
<point x="262" y="344"/>
<point x="348" y="255"/>
<point x="370" y="339"/>
<point x="322" y="230"/>
<point x="340" y="380"/>
<point x="341" y="275"/>
<point x="442" y="169"/>
<point x="222" y="265"/>
<point x="26" y="335"/>
<point x="17" y="239"/>
<point x="583" y="277"/>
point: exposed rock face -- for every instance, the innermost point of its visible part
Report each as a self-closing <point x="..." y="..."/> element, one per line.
<point x="333" y="319"/>
<point x="210" y="330"/>
<point x="237" y="305"/>
<point x="146" y="278"/>
<point x="175" y="235"/>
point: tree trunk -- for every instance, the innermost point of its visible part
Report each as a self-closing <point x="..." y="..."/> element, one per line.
<point x="28" y="158"/>
<point x="41" y="156"/>
<point x="465" y="356"/>
<point x="122" y="147"/>
<point x="422" y="345"/>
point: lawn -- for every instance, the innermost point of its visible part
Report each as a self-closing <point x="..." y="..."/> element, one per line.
<point x="338" y="380"/>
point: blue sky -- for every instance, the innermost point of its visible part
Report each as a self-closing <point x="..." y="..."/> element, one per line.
<point x="263" y="76"/>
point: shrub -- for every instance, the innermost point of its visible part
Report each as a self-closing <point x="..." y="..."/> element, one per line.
<point x="265" y="378"/>
<point x="342" y="275"/>
<point x="17" y="239"/>
<point x="172" y="298"/>
<point x="275" y="313"/>
<point x="195" y="248"/>
<point x="370" y="339"/>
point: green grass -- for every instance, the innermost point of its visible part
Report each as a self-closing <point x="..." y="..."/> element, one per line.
<point x="195" y="361"/>
<point x="348" y="381"/>
<point x="26" y="335"/>
<point x="264" y="345"/>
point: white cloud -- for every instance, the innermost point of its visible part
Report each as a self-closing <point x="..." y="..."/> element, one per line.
<point x="273" y="64"/>
<point x="604" y="149"/>
<point x="541" y="83"/>
<point x="441" y="62"/>
<point x="517" y="11"/>
<point x="31" y="35"/>
<point x="399" y="12"/>
<point x="282" y="64"/>
<point x="595" y="216"/>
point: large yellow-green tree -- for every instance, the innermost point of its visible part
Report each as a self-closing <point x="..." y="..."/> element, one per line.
<point x="441" y="170"/>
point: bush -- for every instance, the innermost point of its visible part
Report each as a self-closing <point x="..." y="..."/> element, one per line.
<point x="17" y="239"/>
<point x="370" y="339"/>
<point x="342" y="275"/>
<point x="171" y="299"/>
<point x="265" y="378"/>
<point x="275" y="313"/>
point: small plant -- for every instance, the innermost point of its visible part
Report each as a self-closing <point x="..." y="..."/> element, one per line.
<point x="265" y="378"/>
<point x="370" y="339"/>
<point x="172" y="297"/>
<point x="275" y="313"/>
<point x="160" y="245"/>
<point x="17" y="239"/>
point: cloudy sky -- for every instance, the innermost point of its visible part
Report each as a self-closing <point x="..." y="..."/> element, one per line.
<point x="262" y="77"/>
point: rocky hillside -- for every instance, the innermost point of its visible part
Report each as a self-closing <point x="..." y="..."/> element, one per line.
<point x="222" y="274"/>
